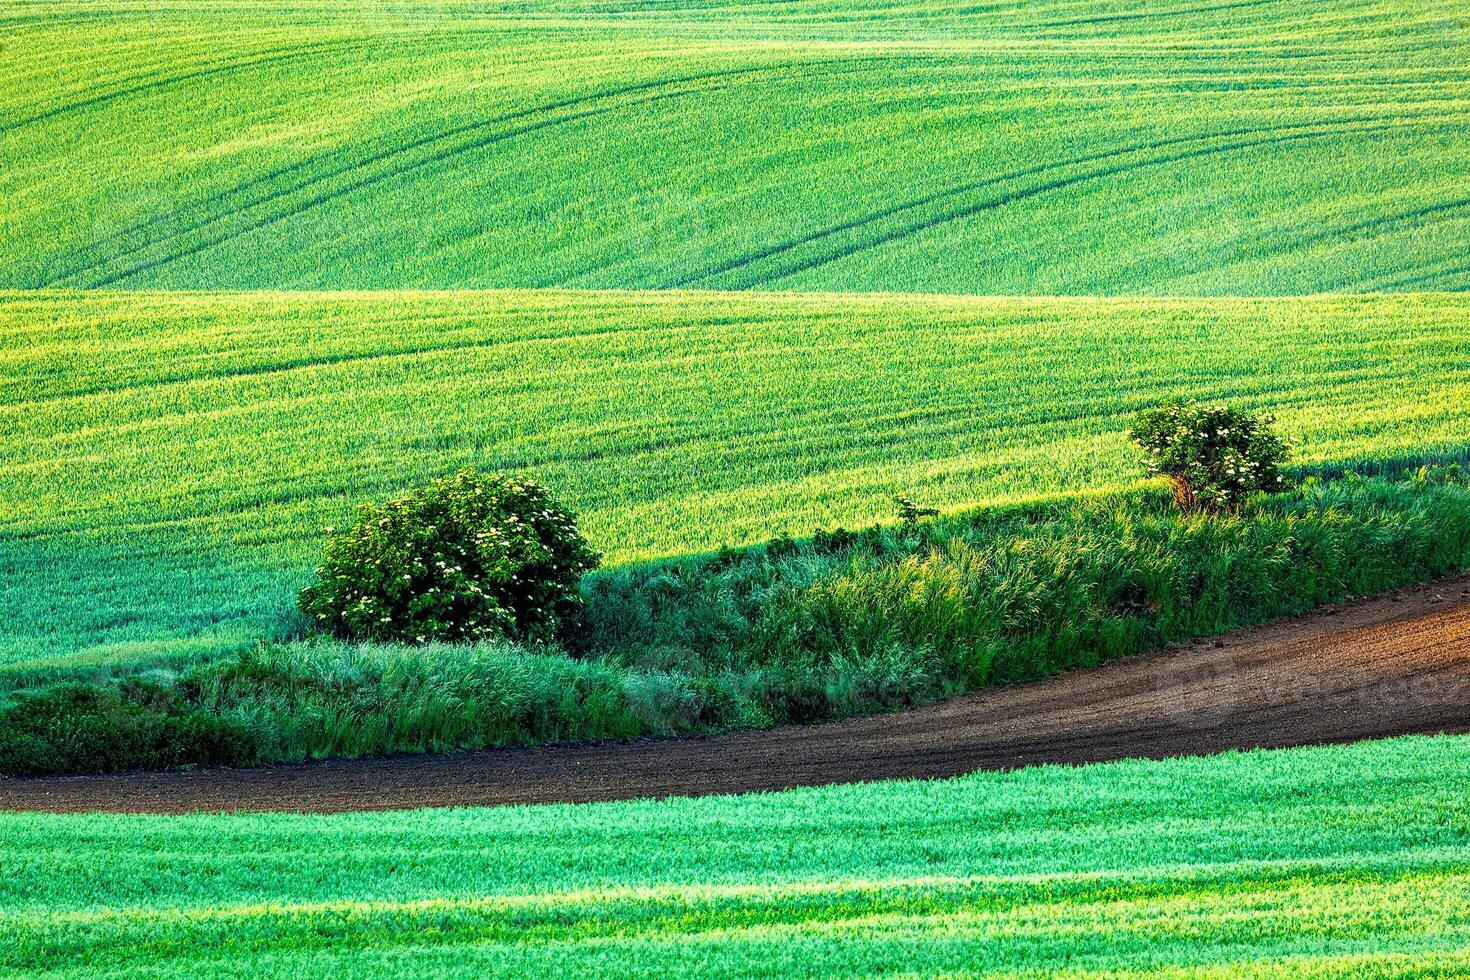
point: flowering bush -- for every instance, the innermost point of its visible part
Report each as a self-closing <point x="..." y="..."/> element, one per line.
<point x="466" y="558"/>
<point x="1215" y="456"/>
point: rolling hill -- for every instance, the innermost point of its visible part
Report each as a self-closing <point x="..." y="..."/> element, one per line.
<point x="171" y="459"/>
<point x="738" y="195"/>
<point x="1060" y="147"/>
<point x="714" y="271"/>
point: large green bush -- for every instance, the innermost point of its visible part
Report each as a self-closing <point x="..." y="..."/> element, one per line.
<point x="472" y="557"/>
<point x="1215" y="456"/>
<point x="792" y="631"/>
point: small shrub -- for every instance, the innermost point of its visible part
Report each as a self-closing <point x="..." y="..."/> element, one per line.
<point x="867" y="621"/>
<point x="471" y="557"/>
<point x="1215" y="456"/>
<point x="780" y="547"/>
<point x="910" y="512"/>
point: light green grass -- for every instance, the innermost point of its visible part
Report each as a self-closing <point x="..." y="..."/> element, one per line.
<point x="1351" y="861"/>
<point x="1063" y="146"/>
<point x="171" y="460"/>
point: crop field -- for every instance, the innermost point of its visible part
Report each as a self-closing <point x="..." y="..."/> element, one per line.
<point x="722" y="275"/>
<point x="1347" y="861"/>
<point x="172" y="459"/>
<point x="1058" y="147"/>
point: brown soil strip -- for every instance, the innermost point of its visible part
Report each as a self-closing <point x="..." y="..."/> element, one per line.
<point x="1392" y="665"/>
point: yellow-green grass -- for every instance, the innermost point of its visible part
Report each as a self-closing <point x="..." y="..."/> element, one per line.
<point x="1062" y="146"/>
<point x="172" y="459"/>
<point x="1347" y="861"/>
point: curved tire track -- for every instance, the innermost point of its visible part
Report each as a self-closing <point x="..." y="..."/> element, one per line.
<point x="1153" y="14"/>
<point x="974" y="186"/>
<point x="150" y="83"/>
<point x="1418" y="279"/>
<point x="423" y="142"/>
<point x="1061" y="184"/>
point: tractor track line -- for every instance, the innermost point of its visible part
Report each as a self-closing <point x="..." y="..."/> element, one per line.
<point x="1024" y="194"/>
<point x="157" y="80"/>
<point x="350" y="167"/>
<point x="277" y="56"/>
<point x="1151" y="15"/>
<point x="971" y="186"/>
<point x="438" y="157"/>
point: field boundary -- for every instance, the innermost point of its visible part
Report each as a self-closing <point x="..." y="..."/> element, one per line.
<point x="1395" y="664"/>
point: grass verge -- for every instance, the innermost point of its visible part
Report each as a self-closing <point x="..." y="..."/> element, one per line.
<point x="791" y="631"/>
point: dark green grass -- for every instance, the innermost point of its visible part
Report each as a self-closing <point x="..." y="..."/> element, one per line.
<point x="840" y="624"/>
<point x="1348" y="861"/>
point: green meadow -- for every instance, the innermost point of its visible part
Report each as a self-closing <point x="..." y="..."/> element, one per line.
<point x="717" y="272"/>
<point x="1346" y="861"/>
<point x="172" y="459"/>
<point x="1055" y="147"/>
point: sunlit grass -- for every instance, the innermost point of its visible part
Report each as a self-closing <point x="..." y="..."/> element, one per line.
<point x="1316" y="862"/>
<point x="1165" y="147"/>
<point x="171" y="459"/>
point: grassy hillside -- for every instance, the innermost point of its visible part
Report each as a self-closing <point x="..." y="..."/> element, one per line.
<point x="1063" y="146"/>
<point x="787" y="632"/>
<point x="172" y="459"/>
<point x="1350" y="861"/>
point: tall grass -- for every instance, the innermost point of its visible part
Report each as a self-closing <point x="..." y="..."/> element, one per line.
<point x="170" y="460"/>
<point x="1016" y="593"/>
<point x="792" y="631"/>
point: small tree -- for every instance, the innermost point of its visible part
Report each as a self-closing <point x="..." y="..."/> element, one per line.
<point x="465" y="558"/>
<point x="1216" y="456"/>
<point x="910" y="512"/>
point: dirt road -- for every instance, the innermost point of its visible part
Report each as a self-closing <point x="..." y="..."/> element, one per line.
<point x="1392" y="665"/>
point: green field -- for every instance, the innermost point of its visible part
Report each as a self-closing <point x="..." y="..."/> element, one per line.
<point x="172" y="455"/>
<point x="1350" y="861"/>
<point x="716" y="272"/>
<point x="1056" y="147"/>
<point x="172" y="459"/>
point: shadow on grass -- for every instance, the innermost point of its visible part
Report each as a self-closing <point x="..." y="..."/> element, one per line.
<point x="116" y="642"/>
<point x="839" y="623"/>
<point x="1387" y="467"/>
